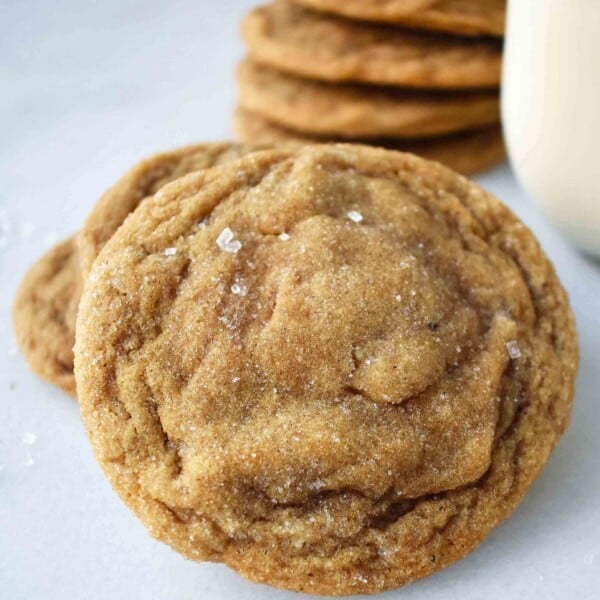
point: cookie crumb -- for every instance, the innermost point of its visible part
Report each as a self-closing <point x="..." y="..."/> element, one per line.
<point x="355" y="216"/>
<point x="170" y="251"/>
<point x="513" y="349"/>
<point x="29" y="438"/>
<point x="227" y="243"/>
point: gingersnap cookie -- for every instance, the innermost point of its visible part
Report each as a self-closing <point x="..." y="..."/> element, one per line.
<point x="464" y="17"/>
<point x="44" y="312"/>
<point x="303" y="42"/>
<point x="350" y="111"/>
<point x="468" y="152"/>
<point x="143" y="180"/>
<point x="334" y="369"/>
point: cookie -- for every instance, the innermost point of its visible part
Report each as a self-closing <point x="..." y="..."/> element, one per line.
<point x="143" y="180"/>
<point x="334" y="369"/>
<point x="350" y="111"/>
<point x="303" y="42"/>
<point x="44" y="312"/>
<point x="468" y="153"/>
<point x="464" y="17"/>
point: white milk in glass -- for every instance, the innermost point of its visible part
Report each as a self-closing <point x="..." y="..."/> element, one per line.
<point x="551" y="110"/>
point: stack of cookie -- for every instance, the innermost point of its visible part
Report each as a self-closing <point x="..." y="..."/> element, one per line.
<point x="418" y="76"/>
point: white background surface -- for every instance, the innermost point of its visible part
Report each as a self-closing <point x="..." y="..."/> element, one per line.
<point x="86" y="90"/>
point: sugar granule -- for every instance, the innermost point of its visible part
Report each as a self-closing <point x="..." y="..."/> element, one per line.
<point x="355" y="216"/>
<point x="284" y="237"/>
<point x="170" y="251"/>
<point x="513" y="349"/>
<point x="227" y="243"/>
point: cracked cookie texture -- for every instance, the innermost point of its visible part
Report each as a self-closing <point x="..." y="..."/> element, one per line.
<point x="286" y="36"/>
<point x="144" y="180"/>
<point x="334" y="369"/>
<point x="350" y="111"/>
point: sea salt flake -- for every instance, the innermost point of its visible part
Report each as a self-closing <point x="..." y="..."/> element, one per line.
<point x="29" y="438"/>
<point x="355" y="216"/>
<point x="239" y="289"/>
<point x="284" y="237"/>
<point x="513" y="349"/>
<point x="170" y="251"/>
<point x="235" y="379"/>
<point x="398" y="298"/>
<point x="226" y="241"/>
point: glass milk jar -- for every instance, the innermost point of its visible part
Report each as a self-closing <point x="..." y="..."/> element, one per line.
<point x="551" y="110"/>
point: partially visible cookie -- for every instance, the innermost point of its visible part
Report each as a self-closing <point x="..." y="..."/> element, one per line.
<point x="466" y="17"/>
<point x="468" y="153"/>
<point x="143" y="180"/>
<point x="304" y="42"/>
<point x="335" y="369"/>
<point x="44" y="313"/>
<point x="350" y="111"/>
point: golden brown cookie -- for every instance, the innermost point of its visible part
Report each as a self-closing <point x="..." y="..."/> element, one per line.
<point x="466" y="17"/>
<point x="44" y="312"/>
<point x="143" y="180"/>
<point x="350" y="111"/>
<point x="334" y="369"/>
<point x="303" y="42"/>
<point x="468" y="153"/>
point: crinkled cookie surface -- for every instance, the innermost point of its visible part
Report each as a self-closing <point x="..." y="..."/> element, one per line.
<point x="335" y="369"/>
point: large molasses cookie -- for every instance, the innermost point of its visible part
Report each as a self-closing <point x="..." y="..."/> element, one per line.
<point x="350" y="111"/>
<point x="467" y="17"/>
<point x="143" y="180"/>
<point x="468" y="153"/>
<point x="44" y="312"/>
<point x="335" y="369"/>
<point x="304" y="42"/>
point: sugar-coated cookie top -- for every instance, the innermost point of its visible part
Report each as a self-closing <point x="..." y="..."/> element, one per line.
<point x="306" y="363"/>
